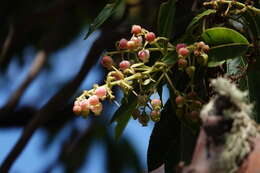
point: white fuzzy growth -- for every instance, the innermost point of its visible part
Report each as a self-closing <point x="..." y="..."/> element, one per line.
<point x="224" y="87"/>
<point x="236" y="145"/>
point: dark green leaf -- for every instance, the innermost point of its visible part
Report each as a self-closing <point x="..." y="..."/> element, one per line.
<point x="254" y="85"/>
<point x="170" y="58"/>
<point x="165" y="137"/>
<point x="106" y="12"/>
<point x="253" y="23"/>
<point x="221" y="35"/>
<point x="123" y="114"/>
<point x="165" y="18"/>
<point x="196" y="20"/>
<point x="218" y="54"/>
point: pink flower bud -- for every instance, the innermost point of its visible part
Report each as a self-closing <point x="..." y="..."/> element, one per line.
<point x="144" y="55"/>
<point x="156" y="103"/>
<point x="76" y="109"/>
<point x="136" y="29"/>
<point x="101" y="92"/>
<point x="155" y="115"/>
<point x="131" y="44"/>
<point x="93" y="100"/>
<point x="124" y="65"/>
<point x="150" y="37"/>
<point x="200" y="44"/>
<point x="84" y="104"/>
<point x="107" y="62"/>
<point x="138" y="41"/>
<point x="180" y="45"/>
<point x="179" y="100"/>
<point x="182" y="63"/>
<point x="183" y="51"/>
<point x="77" y="103"/>
<point x="123" y="44"/>
<point x="97" y="109"/>
<point x="206" y="48"/>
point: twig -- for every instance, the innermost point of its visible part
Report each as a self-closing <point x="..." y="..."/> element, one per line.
<point x="7" y="42"/>
<point x="36" y="67"/>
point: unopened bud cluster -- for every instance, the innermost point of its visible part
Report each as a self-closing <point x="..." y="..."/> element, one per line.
<point x="191" y="55"/>
<point x="155" y="112"/>
<point x="130" y="67"/>
<point x="84" y="105"/>
<point x="188" y="105"/>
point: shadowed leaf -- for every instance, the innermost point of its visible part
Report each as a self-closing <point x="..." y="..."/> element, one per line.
<point x="165" y="18"/>
<point x="196" y="20"/>
<point x="218" y="54"/>
<point x="106" y="12"/>
<point x="123" y="114"/>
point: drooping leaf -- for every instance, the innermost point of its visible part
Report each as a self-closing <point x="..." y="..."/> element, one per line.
<point x="165" y="18"/>
<point x="105" y="13"/>
<point x="164" y="138"/>
<point x="221" y="35"/>
<point x="196" y="20"/>
<point x="123" y="114"/>
<point x="218" y="54"/>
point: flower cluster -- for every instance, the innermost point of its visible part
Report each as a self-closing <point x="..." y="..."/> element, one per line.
<point x="84" y="106"/>
<point x="133" y="68"/>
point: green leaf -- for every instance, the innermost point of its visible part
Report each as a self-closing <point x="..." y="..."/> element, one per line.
<point x="164" y="144"/>
<point x="105" y="13"/>
<point x="218" y="54"/>
<point x="215" y="63"/>
<point x="170" y="58"/>
<point x="221" y="35"/>
<point x="123" y="114"/>
<point x="165" y="18"/>
<point x="196" y="20"/>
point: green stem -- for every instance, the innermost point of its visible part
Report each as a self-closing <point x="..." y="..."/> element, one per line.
<point x="176" y="92"/>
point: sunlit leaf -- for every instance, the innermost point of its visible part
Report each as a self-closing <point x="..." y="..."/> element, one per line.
<point x="222" y="35"/>
<point x="165" y="18"/>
